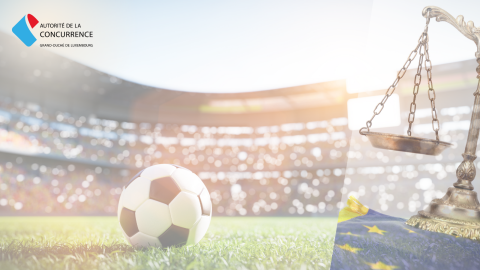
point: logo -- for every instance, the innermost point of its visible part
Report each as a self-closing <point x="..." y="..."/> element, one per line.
<point x="23" y="32"/>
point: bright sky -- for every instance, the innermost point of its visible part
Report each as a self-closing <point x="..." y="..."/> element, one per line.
<point x="250" y="45"/>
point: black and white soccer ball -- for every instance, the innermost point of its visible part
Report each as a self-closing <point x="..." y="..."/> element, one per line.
<point x="164" y="205"/>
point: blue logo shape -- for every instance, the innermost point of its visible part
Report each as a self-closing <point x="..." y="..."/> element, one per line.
<point x="22" y="31"/>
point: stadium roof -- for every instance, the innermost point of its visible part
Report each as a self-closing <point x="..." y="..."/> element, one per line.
<point x="59" y="84"/>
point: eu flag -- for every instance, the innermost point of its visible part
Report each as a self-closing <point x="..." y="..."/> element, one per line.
<point x="367" y="239"/>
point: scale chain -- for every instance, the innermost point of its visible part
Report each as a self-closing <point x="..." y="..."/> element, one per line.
<point x="422" y="43"/>
<point x="391" y="88"/>
<point x="416" y="86"/>
<point x="431" y="90"/>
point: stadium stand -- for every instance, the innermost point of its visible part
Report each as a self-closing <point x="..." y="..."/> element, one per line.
<point x="71" y="137"/>
<point x="263" y="153"/>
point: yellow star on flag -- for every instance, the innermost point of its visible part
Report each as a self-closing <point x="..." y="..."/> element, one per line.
<point x="381" y="266"/>
<point x="349" y="233"/>
<point x="409" y="231"/>
<point x="347" y="247"/>
<point x="374" y="229"/>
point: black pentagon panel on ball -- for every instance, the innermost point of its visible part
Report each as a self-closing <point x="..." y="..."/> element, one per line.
<point x="133" y="178"/>
<point x="180" y="167"/>
<point x="164" y="190"/>
<point x="128" y="222"/>
<point x="205" y="202"/>
<point x="174" y="236"/>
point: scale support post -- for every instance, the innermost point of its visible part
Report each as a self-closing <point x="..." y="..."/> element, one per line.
<point x="458" y="212"/>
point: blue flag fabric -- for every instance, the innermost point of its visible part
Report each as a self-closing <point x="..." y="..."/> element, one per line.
<point x="378" y="241"/>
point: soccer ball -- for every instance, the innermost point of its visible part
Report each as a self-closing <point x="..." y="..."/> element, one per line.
<point x="164" y="205"/>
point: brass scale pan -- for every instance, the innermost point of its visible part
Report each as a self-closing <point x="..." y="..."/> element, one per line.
<point x="401" y="142"/>
<point x="406" y="143"/>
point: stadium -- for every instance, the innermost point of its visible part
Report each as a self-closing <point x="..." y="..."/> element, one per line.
<point x="80" y="140"/>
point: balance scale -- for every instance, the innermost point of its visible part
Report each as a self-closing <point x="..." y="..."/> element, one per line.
<point x="458" y="212"/>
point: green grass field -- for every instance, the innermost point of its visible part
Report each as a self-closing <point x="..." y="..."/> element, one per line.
<point x="230" y="243"/>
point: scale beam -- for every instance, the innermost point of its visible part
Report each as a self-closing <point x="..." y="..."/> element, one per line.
<point x="467" y="29"/>
<point x="458" y="212"/>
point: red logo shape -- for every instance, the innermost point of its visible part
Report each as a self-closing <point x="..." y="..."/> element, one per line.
<point x="32" y="20"/>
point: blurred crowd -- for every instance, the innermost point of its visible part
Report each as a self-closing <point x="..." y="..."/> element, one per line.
<point x="61" y="164"/>
<point x="270" y="170"/>
<point x="39" y="189"/>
